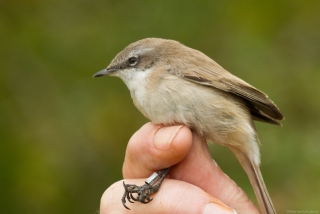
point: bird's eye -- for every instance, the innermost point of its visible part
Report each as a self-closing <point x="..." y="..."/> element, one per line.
<point x="132" y="61"/>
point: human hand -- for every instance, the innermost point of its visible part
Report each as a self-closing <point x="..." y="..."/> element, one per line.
<point x="196" y="184"/>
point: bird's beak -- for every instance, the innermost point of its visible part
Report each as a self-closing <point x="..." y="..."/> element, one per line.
<point x="104" y="72"/>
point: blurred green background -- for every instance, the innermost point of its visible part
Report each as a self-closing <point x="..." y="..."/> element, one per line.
<point x="63" y="134"/>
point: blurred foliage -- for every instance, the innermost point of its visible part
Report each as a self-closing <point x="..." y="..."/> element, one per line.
<point x="63" y="135"/>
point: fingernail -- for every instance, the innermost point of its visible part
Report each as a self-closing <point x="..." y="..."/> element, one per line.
<point x="212" y="208"/>
<point x="165" y="136"/>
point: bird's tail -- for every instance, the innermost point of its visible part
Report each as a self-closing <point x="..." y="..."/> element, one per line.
<point x="255" y="177"/>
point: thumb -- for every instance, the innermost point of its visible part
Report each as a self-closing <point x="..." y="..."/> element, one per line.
<point x="155" y="147"/>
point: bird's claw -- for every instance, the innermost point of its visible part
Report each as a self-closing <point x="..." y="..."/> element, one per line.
<point x="152" y="185"/>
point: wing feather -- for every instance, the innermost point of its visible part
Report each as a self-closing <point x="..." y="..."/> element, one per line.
<point x="210" y="73"/>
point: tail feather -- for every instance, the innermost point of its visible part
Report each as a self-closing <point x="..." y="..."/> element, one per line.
<point x="255" y="177"/>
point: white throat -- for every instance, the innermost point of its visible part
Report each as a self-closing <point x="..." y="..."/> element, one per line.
<point x="136" y="81"/>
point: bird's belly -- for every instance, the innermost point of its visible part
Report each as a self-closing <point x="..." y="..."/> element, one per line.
<point x="214" y="114"/>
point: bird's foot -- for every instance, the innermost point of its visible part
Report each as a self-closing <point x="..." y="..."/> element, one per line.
<point x="152" y="185"/>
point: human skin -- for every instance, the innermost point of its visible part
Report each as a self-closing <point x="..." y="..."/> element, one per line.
<point x="195" y="184"/>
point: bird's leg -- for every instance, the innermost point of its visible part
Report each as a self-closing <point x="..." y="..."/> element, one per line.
<point x="152" y="185"/>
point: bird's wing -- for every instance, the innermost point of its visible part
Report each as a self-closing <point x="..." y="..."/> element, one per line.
<point x="209" y="73"/>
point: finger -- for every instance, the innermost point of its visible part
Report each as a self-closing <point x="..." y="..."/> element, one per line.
<point x="155" y="147"/>
<point x="174" y="197"/>
<point x="208" y="176"/>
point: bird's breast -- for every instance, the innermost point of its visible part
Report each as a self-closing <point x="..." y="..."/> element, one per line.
<point x="214" y="114"/>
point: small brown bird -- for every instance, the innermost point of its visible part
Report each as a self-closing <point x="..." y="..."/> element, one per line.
<point x="174" y="84"/>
